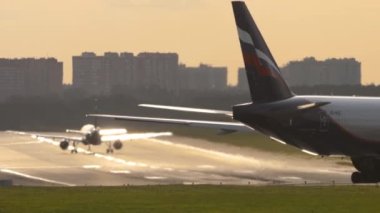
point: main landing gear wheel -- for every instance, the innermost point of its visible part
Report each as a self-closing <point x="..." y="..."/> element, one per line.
<point x="368" y="169"/>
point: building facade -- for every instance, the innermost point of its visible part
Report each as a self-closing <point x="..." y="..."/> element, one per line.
<point x="98" y="75"/>
<point x="203" y="78"/>
<point x="30" y="77"/>
<point x="156" y="71"/>
<point x="311" y="72"/>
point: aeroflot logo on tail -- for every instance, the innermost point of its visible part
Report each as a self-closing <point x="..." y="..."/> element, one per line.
<point x="253" y="58"/>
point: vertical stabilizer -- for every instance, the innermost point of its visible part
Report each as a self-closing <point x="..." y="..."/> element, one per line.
<point x="264" y="78"/>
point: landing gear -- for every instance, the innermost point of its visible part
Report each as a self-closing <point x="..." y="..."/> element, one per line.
<point x="368" y="170"/>
<point x="109" y="149"/>
<point x="74" y="150"/>
<point x="117" y="145"/>
<point x="358" y="177"/>
<point x="64" y="144"/>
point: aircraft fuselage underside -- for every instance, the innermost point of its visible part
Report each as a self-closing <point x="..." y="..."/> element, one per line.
<point x="342" y="126"/>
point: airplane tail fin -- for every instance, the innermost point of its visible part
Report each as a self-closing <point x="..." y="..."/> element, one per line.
<point x="264" y="78"/>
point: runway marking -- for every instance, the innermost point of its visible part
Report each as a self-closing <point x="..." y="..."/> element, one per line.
<point x="334" y="171"/>
<point x="91" y="166"/>
<point x="97" y="155"/>
<point x="191" y="183"/>
<point x="155" y="178"/>
<point x="16" y="132"/>
<point x="226" y="157"/>
<point x="21" y="143"/>
<point x="40" y="167"/>
<point x="258" y="163"/>
<point x="222" y="155"/>
<point x="245" y="171"/>
<point x="34" y="177"/>
<point x="290" y="178"/>
<point x="120" y="172"/>
<point x="206" y="167"/>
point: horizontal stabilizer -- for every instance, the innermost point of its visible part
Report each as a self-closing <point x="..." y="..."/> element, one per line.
<point x="224" y="126"/>
<point x="188" y="109"/>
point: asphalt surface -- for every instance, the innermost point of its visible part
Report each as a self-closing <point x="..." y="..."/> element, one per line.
<point x="166" y="160"/>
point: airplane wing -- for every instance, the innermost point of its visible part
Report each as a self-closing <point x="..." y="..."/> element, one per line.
<point x="49" y="136"/>
<point x="59" y="137"/>
<point x="134" y="136"/>
<point x="188" y="109"/>
<point x="225" y="127"/>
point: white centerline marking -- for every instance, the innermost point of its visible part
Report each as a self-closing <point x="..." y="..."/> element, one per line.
<point x="35" y="178"/>
<point x="120" y="172"/>
<point x="206" y="167"/>
<point x="155" y="178"/>
<point x="21" y="143"/>
<point x="290" y="178"/>
<point x="97" y="155"/>
<point x="91" y="166"/>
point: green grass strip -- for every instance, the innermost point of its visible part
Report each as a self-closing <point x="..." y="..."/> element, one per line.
<point x="191" y="199"/>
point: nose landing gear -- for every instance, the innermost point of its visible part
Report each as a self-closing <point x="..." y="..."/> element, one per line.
<point x="74" y="150"/>
<point x="109" y="149"/>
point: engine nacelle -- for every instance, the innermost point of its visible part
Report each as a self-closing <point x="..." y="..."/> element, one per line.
<point x="64" y="145"/>
<point x="117" y="145"/>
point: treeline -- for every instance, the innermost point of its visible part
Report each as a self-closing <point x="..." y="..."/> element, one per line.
<point x="68" y="110"/>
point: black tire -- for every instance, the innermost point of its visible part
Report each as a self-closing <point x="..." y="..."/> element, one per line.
<point x="357" y="177"/>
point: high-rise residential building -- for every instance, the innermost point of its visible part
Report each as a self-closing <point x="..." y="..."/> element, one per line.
<point x="98" y="75"/>
<point x="156" y="70"/>
<point x="202" y="78"/>
<point x="30" y="77"/>
<point x="311" y="72"/>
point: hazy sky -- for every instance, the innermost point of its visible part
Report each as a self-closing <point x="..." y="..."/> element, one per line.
<point x="199" y="30"/>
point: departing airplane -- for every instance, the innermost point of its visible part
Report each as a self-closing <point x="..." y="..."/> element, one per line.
<point x="318" y="125"/>
<point x="90" y="135"/>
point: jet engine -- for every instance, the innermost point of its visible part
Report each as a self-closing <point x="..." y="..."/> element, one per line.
<point x="64" y="144"/>
<point x="117" y="145"/>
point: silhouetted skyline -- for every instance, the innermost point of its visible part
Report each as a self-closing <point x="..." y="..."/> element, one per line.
<point x="199" y="30"/>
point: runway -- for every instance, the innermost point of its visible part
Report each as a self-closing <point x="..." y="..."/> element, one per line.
<point x="167" y="160"/>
